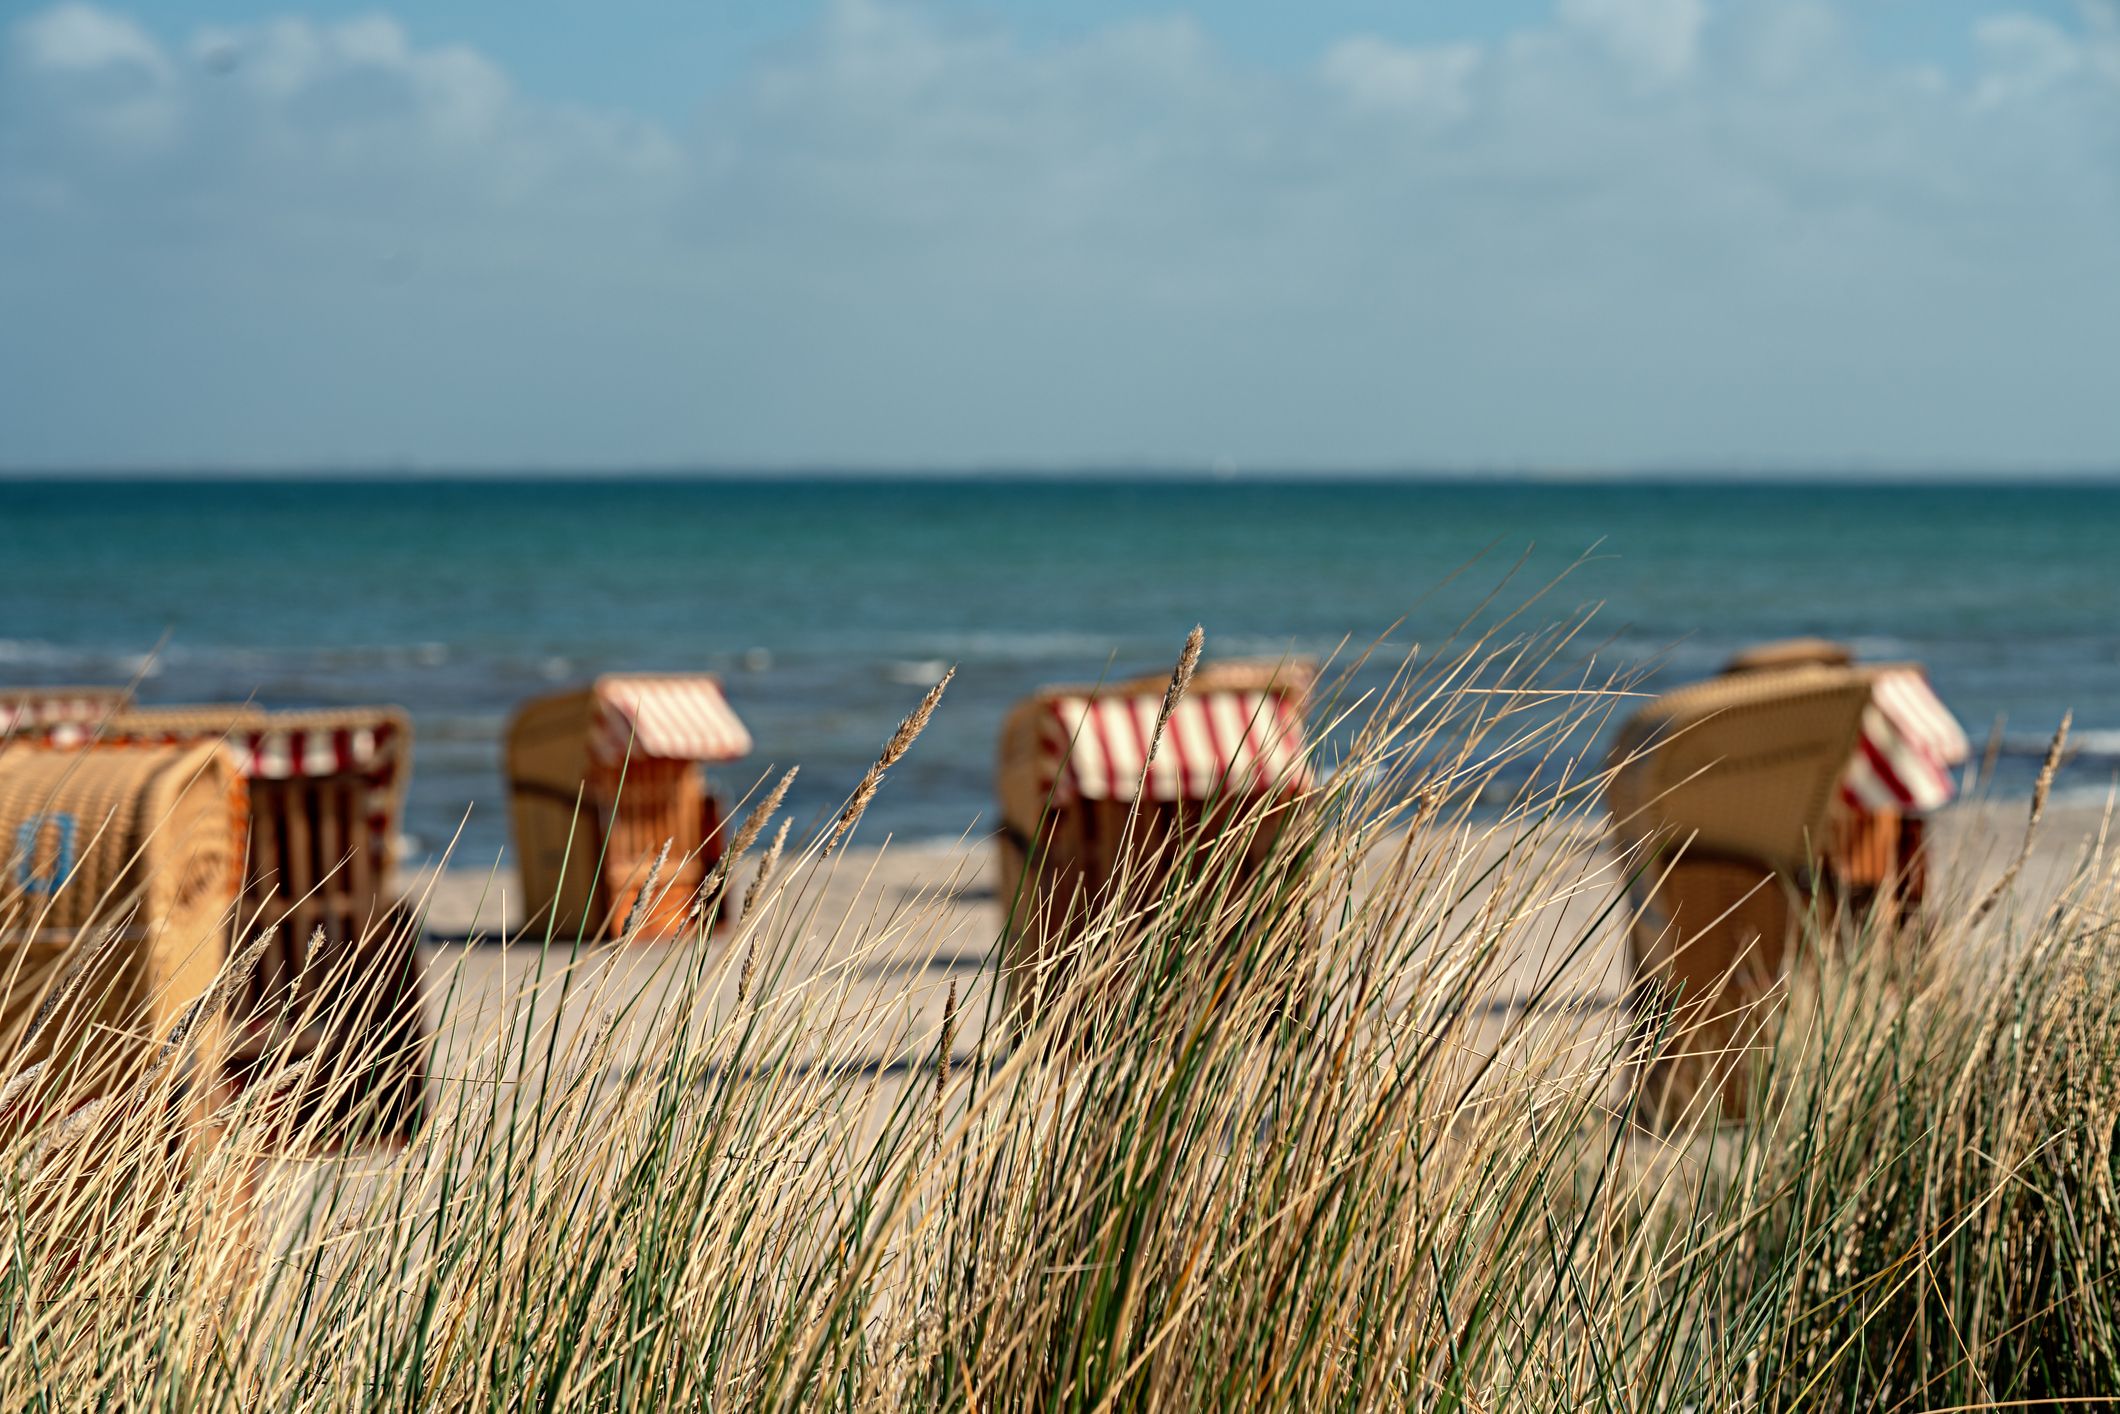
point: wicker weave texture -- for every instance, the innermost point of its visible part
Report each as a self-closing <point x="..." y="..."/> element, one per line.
<point x="1744" y="766"/>
<point x="143" y="840"/>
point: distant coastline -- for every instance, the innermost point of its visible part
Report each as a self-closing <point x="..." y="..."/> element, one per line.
<point x="1821" y="476"/>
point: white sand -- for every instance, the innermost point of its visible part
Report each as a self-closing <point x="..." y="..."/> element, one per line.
<point x="884" y="932"/>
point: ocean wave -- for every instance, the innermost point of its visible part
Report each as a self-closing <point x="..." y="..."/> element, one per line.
<point x="1025" y="647"/>
<point x="2093" y="743"/>
<point x="33" y="652"/>
<point x="1127" y="651"/>
<point x="1244" y="645"/>
<point x="920" y="672"/>
<point x="83" y="663"/>
<point x="1683" y="656"/>
<point x="377" y="655"/>
<point x="1882" y="650"/>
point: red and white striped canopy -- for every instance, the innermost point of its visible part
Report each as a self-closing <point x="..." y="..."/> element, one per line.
<point x="40" y="713"/>
<point x="678" y="717"/>
<point x="1249" y="742"/>
<point x="1910" y="743"/>
<point x="373" y="751"/>
<point x="267" y="753"/>
<point x="280" y="755"/>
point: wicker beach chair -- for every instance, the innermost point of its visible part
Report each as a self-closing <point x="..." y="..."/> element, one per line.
<point x="337" y="984"/>
<point x="600" y="779"/>
<point x="1783" y="789"/>
<point x="134" y="853"/>
<point x="1875" y="838"/>
<point x="1745" y="766"/>
<point x="1079" y="811"/>
<point x="144" y="840"/>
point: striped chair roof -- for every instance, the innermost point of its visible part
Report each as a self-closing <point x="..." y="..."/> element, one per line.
<point x="273" y="746"/>
<point x="31" y="709"/>
<point x="1909" y="746"/>
<point x="675" y="716"/>
<point x="1241" y="740"/>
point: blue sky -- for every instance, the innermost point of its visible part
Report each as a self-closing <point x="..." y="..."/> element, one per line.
<point x="1607" y="234"/>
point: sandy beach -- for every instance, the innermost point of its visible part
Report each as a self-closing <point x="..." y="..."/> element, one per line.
<point x="885" y="931"/>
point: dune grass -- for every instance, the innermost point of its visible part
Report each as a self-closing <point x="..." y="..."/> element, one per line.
<point x="1268" y="1141"/>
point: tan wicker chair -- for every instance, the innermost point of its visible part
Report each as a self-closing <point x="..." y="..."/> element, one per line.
<point x="600" y="778"/>
<point x="1074" y="795"/>
<point x="1789" y="786"/>
<point x="145" y="840"/>
<point x="1722" y="794"/>
<point x="134" y="851"/>
<point x="338" y="980"/>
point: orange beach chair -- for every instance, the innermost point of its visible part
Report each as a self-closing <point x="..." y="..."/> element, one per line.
<point x="600" y="779"/>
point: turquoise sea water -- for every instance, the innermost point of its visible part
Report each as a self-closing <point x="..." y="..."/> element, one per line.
<point x="829" y="605"/>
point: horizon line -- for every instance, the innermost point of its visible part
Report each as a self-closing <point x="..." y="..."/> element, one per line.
<point x="1813" y="473"/>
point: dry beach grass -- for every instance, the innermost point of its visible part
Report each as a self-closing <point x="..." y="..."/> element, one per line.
<point x="1357" y="1132"/>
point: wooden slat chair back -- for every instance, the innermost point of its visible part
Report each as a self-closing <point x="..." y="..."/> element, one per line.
<point x="1063" y="848"/>
<point x="597" y="785"/>
<point x="1745" y="766"/>
<point x="552" y="811"/>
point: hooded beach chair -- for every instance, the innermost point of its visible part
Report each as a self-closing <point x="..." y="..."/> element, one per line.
<point x="1901" y="773"/>
<point x="1079" y="810"/>
<point x="144" y="840"/>
<point x="126" y="861"/>
<point x="600" y="778"/>
<point x="338" y="980"/>
<point x="1746" y="803"/>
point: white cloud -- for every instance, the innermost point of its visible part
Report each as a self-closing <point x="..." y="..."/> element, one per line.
<point x="2026" y="57"/>
<point x="1660" y="37"/>
<point x="100" y="72"/>
<point x="1640" y="231"/>
<point x="78" y="38"/>
<point x="1376" y="73"/>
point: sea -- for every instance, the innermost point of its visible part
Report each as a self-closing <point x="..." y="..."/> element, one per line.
<point x="829" y="604"/>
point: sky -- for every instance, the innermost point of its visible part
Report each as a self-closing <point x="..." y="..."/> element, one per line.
<point x="1609" y="235"/>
